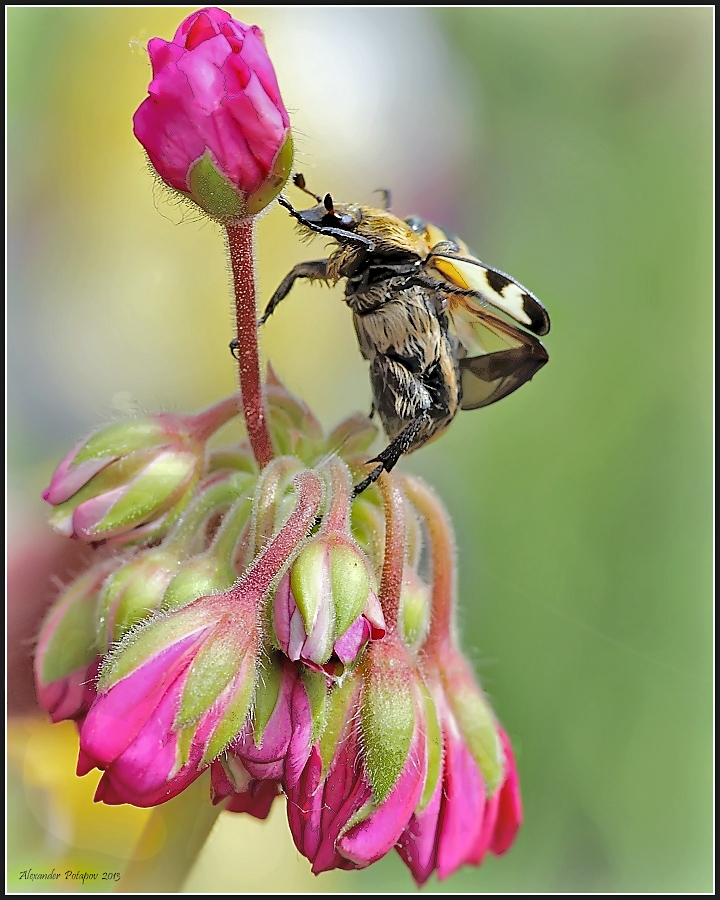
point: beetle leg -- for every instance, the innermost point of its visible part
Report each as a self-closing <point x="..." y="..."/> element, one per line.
<point x="315" y="269"/>
<point x="392" y="453"/>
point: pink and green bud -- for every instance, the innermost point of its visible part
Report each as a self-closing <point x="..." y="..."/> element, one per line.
<point x="463" y="818"/>
<point x="324" y="610"/>
<point x="130" y="480"/>
<point x="214" y="570"/>
<point x="67" y="655"/>
<point x="133" y="592"/>
<point x="214" y="124"/>
<point x="365" y="776"/>
<point x="170" y="699"/>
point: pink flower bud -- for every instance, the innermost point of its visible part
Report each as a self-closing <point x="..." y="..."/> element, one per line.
<point x="462" y="815"/>
<point x="214" y="124"/>
<point x="364" y="777"/>
<point x="130" y="479"/>
<point x="170" y="699"/>
<point x="325" y="610"/>
<point x="67" y="655"/>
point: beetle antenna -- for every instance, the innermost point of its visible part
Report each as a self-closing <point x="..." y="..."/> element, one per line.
<point x="299" y="182"/>
<point x="386" y="198"/>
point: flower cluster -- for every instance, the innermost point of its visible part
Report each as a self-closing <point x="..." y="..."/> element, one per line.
<point x="281" y="634"/>
<point x="247" y="614"/>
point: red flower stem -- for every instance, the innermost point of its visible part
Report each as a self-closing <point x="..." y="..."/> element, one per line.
<point x="338" y="504"/>
<point x="394" y="558"/>
<point x="240" y="246"/>
<point x="256" y="581"/>
<point x="442" y="623"/>
<point x="210" y="420"/>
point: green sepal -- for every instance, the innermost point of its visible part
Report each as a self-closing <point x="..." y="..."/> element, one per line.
<point x="414" y="618"/>
<point x="141" y="582"/>
<point x="269" y="677"/>
<point x="388" y="722"/>
<point x="122" y="438"/>
<point x="154" y="490"/>
<point x="213" y="192"/>
<point x="235" y="715"/>
<point x="338" y="706"/>
<point x="434" y="744"/>
<point x="315" y="684"/>
<point x="367" y="525"/>
<point x="353" y="436"/>
<point x="275" y="181"/>
<point x="152" y="637"/>
<point x="350" y="583"/>
<point x="72" y="642"/>
<point x="477" y="723"/>
<point x="215" y="665"/>
<point x="307" y="581"/>
<point x="198" y="577"/>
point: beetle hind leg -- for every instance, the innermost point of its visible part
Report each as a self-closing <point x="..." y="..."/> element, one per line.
<point x="392" y="453"/>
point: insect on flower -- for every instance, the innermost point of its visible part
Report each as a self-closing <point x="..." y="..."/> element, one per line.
<point x="442" y="330"/>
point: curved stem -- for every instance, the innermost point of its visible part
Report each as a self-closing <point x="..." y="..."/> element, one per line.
<point x="442" y="544"/>
<point x="394" y="558"/>
<point x="240" y="246"/>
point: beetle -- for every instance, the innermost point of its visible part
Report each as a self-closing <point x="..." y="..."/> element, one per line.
<point x="441" y="329"/>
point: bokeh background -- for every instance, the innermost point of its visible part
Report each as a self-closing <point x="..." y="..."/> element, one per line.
<point x="570" y="147"/>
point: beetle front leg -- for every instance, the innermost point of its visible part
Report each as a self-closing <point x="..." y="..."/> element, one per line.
<point x="315" y="270"/>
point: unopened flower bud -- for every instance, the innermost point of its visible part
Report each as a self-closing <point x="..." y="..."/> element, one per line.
<point x="67" y="654"/>
<point x="130" y="479"/>
<point x="326" y="594"/>
<point x="214" y="124"/>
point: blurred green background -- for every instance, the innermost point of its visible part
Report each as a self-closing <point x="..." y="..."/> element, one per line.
<point x="569" y="147"/>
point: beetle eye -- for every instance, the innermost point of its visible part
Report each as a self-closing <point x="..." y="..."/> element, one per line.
<point x="328" y="202"/>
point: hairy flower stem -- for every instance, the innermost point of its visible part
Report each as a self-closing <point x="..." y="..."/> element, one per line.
<point x="240" y="246"/>
<point x="442" y="625"/>
<point x="210" y="420"/>
<point x="255" y="582"/>
<point x="394" y="558"/>
<point x="172" y="840"/>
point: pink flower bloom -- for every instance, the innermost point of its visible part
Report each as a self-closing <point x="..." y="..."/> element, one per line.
<point x="214" y="124"/>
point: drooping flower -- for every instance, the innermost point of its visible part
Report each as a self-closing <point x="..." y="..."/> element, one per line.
<point x="214" y="124"/>
<point x="365" y="776"/>
<point x="129" y="480"/>
<point x="472" y="805"/>
<point x="472" y="808"/>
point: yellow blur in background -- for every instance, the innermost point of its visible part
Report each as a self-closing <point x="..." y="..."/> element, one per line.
<point x="569" y="147"/>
